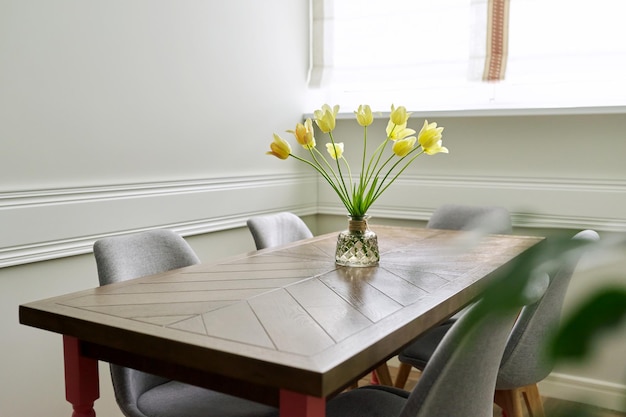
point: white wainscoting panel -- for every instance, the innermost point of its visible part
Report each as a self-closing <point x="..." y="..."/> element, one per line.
<point x="47" y="224"/>
<point x="533" y="202"/>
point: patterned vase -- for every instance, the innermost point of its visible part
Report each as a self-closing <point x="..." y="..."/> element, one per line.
<point x="358" y="245"/>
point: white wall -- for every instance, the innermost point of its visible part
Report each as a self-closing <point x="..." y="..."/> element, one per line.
<point x="108" y="92"/>
<point x="122" y="115"/>
<point x="157" y="111"/>
<point x="31" y="359"/>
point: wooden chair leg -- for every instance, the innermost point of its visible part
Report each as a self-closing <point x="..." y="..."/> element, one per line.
<point x="510" y="401"/>
<point x="383" y="376"/>
<point x="403" y="375"/>
<point x="533" y="401"/>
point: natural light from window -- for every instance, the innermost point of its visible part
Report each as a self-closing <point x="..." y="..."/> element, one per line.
<point x="429" y="54"/>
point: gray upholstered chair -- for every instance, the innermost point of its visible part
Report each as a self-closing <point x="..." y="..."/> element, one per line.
<point x="523" y="364"/>
<point x="483" y="219"/>
<point x="277" y="229"/>
<point x="460" y="377"/>
<point x="488" y="219"/>
<point x="140" y="394"/>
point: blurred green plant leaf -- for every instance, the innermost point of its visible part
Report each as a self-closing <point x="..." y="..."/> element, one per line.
<point x="509" y="284"/>
<point x="600" y="313"/>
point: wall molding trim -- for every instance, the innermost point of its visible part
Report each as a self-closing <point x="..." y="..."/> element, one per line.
<point x="560" y="203"/>
<point x="52" y="223"/>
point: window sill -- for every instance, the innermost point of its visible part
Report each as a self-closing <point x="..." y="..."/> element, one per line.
<point x="495" y="112"/>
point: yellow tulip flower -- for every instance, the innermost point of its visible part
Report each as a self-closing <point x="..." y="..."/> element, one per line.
<point x="325" y="118"/>
<point x="403" y="146"/>
<point x="399" y="116"/>
<point x="304" y="134"/>
<point x="430" y="138"/>
<point x="436" y="148"/>
<point x="396" y="132"/>
<point x="335" y="151"/>
<point x="364" y="115"/>
<point x="379" y="166"/>
<point x="280" y="148"/>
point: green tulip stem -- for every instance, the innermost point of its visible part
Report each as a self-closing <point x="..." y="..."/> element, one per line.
<point x="323" y="173"/>
<point x="337" y="182"/>
<point x="362" y="177"/>
<point x="379" y="152"/>
<point x="343" y="182"/>
<point x="382" y="190"/>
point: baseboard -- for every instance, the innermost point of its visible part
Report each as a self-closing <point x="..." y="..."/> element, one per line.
<point x="572" y="388"/>
<point x="584" y="390"/>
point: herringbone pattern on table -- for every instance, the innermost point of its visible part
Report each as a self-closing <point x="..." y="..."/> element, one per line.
<point x="295" y="299"/>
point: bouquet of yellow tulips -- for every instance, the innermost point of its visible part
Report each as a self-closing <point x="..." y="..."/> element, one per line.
<point x="378" y="171"/>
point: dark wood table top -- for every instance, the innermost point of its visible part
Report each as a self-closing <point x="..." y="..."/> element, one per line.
<point x="284" y="318"/>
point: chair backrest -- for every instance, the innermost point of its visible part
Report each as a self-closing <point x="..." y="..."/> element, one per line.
<point x="459" y="379"/>
<point x="489" y="219"/>
<point x="126" y="257"/>
<point x="277" y="229"/>
<point x="524" y="360"/>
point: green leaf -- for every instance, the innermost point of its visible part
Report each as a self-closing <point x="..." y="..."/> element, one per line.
<point x="601" y="312"/>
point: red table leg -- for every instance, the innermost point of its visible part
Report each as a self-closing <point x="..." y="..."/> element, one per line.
<point x="81" y="379"/>
<point x="293" y="404"/>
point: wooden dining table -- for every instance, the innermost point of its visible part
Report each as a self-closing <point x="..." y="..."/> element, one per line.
<point x="284" y="326"/>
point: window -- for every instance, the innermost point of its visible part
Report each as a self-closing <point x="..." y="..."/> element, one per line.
<point x="429" y="54"/>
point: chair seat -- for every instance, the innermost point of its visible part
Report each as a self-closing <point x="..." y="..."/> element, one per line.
<point x="419" y="352"/>
<point x="368" y="401"/>
<point x="176" y="399"/>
